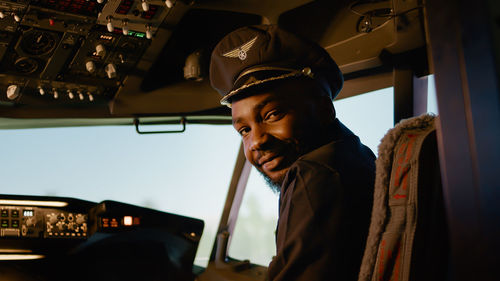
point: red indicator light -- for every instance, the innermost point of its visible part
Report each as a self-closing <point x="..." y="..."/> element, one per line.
<point x="137" y="221"/>
<point x="127" y="221"/>
<point x="124" y="7"/>
<point x="150" y="13"/>
<point x="85" y="7"/>
<point x="122" y="11"/>
<point x="51" y="22"/>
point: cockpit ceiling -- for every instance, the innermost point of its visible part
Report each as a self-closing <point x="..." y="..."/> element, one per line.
<point x="114" y="59"/>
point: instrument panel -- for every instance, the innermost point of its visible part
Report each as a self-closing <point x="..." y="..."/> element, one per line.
<point x="36" y="222"/>
<point x="72" y="52"/>
<point x="39" y="233"/>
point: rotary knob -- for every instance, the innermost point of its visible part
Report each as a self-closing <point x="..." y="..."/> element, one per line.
<point x="90" y="65"/>
<point x="52" y="218"/>
<point x="60" y="226"/>
<point x="100" y="50"/>
<point x="110" y="70"/>
<point x="71" y="226"/>
<point x="30" y="222"/>
<point x="61" y="217"/>
<point x="80" y="219"/>
<point x="13" y="92"/>
<point x="83" y="227"/>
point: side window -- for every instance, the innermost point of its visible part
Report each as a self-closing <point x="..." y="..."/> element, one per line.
<point x="186" y="174"/>
<point x="369" y="115"/>
<point x="431" y="96"/>
<point x="253" y="236"/>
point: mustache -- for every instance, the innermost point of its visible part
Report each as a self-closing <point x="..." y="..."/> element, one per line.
<point x="276" y="148"/>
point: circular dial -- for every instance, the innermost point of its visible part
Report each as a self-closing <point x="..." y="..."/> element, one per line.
<point x="26" y="65"/>
<point x="38" y="43"/>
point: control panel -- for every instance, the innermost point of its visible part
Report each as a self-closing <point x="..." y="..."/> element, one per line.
<point x="65" y="225"/>
<point x="37" y="218"/>
<point x="38" y="222"/>
<point x="39" y="234"/>
<point x="133" y="17"/>
<point x="72" y="52"/>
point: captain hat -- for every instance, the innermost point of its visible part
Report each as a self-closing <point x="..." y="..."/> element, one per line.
<point x="256" y="55"/>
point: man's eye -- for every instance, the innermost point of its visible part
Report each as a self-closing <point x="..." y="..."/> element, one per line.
<point x="273" y="115"/>
<point x="243" y="131"/>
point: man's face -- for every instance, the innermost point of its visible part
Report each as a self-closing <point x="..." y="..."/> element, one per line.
<point x="278" y="126"/>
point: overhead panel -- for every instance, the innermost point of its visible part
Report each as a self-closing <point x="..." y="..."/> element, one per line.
<point x="135" y="17"/>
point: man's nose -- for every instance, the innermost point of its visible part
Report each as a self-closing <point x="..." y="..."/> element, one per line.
<point x="258" y="139"/>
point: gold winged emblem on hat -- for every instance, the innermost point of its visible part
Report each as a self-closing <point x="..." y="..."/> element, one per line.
<point x="241" y="51"/>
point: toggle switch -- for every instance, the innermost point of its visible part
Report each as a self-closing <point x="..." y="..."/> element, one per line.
<point x="145" y="5"/>
<point x="169" y="3"/>
<point x="125" y="28"/>
<point x="109" y="25"/>
<point x="55" y="93"/>
<point x="149" y="33"/>
<point x="16" y="17"/>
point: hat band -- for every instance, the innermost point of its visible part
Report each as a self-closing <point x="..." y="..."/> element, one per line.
<point x="293" y="73"/>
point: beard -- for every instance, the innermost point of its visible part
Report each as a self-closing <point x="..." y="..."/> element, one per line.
<point x="275" y="186"/>
<point x="293" y="149"/>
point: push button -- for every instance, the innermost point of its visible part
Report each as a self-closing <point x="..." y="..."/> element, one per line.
<point x="5" y="213"/>
<point x="5" y="223"/>
<point x="15" y="223"/>
<point x="15" y="213"/>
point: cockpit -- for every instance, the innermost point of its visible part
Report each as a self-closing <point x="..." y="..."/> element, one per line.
<point x="120" y="163"/>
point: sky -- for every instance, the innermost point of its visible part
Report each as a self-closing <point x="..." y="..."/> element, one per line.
<point x="186" y="173"/>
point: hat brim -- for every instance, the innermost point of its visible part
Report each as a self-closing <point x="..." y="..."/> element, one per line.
<point x="260" y="75"/>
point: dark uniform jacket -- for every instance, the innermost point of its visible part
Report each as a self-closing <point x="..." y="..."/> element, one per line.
<point x="324" y="214"/>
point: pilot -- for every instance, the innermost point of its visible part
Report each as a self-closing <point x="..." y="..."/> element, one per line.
<point x="280" y="89"/>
